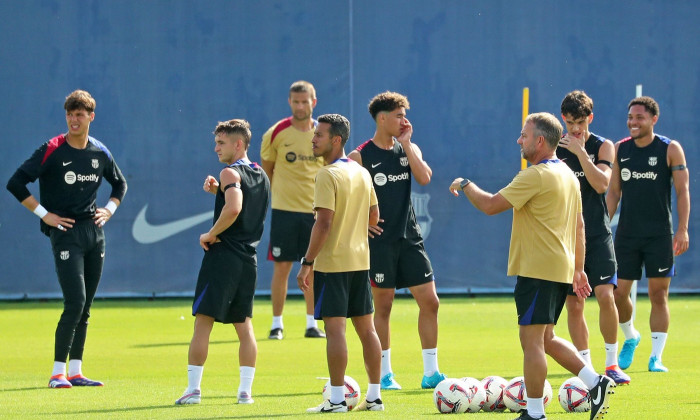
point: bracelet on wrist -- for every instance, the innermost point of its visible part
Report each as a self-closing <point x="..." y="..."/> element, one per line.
<point x="111" y="206"/>
<point x="40" y="211"/>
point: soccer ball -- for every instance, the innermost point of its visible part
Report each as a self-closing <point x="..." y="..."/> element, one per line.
<point x="451" y="396"/>
<point x="515" y="395"/>
<point x="475" y="394"/>
<point x="352" y="392"/>
<point x="574" y="396"/>
<point x="493" y="389"/>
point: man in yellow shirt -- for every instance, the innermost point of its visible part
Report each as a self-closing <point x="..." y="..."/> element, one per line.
<point x="547" y="250"/>
<point x="290" y="165"/>
<point x="346" y="205"/>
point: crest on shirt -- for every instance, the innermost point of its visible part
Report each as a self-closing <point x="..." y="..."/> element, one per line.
<point x="65" y="255"/>
<point x="420" y="208"/>
<point x="291" y="157"/>
<point x="95" y="163"/>
<point x="652" y="160"/>
<point x="404" y="161"/>
<point x="276" y="251"/>
<point x="379" y="278"/>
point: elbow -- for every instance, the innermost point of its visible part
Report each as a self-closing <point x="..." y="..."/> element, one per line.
<point x="423" y="181"/>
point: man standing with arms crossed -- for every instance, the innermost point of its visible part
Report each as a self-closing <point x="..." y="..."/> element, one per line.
<point x="547" y="249"/>
<point x="345" y="206"/>
<point x="398" y="258"/>
<point x="590" y="157"/>
<point x="226" y="283"/>
<point x="70" y="169"/>
<point x="290" y="165"/>
<point x="646" y="166"/>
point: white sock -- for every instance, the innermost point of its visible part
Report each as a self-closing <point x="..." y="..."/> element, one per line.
<point x="247" y="374"/>
<point x="194" y="378"/>
<point x="586" y="355"/>
<point x="430" y="363"/>
<point x="337" y="394"/>
<point x="386" y="362"/>
<point x="59" y="368"/>
<point x="628" y="329"/>
<point x="277" y="322"/>
<point x="589" y="376"/>
<point x="373" y="392"/>
<point x="310" y="321"/>
<point x="535" y="407"/>
<point x="610" y="354"/>
<point x="658" y="342"/>
<point x="75" y="367"/>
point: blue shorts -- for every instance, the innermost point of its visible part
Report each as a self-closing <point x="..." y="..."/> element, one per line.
<point x="539" y="301"/>
<point x="655" y="253"/>
<point x="600" y="265"/>
<point x="289" y="235"/>
<point x="398" y="264"/>
<point x="344" y="294"/>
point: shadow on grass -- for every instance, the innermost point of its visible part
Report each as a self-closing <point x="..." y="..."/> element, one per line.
<point x="32" y="388"/>
<point x="180" y="344"/>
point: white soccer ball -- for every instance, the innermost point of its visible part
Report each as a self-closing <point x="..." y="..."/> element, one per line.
<point x="352" y="392"/>
<point x="451" y="396"/>
<point x="574" y="396"/>
<point x="475" y="394"/>
<point x="493" y="388"/>
<point x="515" y="395"/>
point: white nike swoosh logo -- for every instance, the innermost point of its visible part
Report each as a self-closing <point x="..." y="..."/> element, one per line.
<point x="663" y="269"/>
<point x="102" y="254"/>
<point x="606" y="277"/>
<point x="597" y="398"/>
<point x="375" y="165"/>
<point x="625" y="159"/>
<point x="146" y="233"/>
<point x="67" y="163"/>
<point x="427" y="274"/>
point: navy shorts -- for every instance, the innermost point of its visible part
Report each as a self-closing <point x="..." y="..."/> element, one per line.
<point x="600" y="265"/>
<point x="539" y="301"/>
<point x="289" y="235"/>
<point x="225" y="287"/>
<point x="399" y="264"/>
<point x="345" y="294"/>
<point x="654" y="253"/>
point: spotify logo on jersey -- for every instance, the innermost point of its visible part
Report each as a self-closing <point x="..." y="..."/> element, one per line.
<point x="380" y="179"/>
<point x="69" y="177"/>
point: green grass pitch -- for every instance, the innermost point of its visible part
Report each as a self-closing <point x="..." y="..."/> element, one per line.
<point x="139" y="349"/>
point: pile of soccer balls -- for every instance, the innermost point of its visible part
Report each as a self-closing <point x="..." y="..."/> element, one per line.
<point x="495" y="394"/>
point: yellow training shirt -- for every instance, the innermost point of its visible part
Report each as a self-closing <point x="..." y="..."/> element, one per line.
<point x="346" y="188"/>
<point x="546" y="200"/>
<point x="295" y="166"/>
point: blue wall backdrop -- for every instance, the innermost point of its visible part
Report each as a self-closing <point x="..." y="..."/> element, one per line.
<point x="165" y="72"/>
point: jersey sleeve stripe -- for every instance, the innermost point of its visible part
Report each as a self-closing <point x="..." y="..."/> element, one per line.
<point x="101" y="146"/>
<point x="54" y="144"/>
<point x="362" y="146"/>
<point x="285" y="123"/>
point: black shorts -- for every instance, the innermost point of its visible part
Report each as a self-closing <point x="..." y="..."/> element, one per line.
<point x="399" y="264"/>
<point x="289" y="235"/>
<point x="655" y="253"/>
<point x="539" y="301"/>
<point x="342" y="294"/>
<point x="225" y="287"/>
<point x="600" y="266"/>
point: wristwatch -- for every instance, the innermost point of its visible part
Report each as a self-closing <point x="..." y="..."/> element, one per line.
<point x="304" y="261"/>
<point x="464" y="183"/>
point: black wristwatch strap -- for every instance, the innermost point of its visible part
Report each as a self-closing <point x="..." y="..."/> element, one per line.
<point x="304" y="261"/>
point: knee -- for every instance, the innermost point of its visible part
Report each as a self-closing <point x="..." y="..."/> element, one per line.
<point x="658" y="297"/>
<point x="574" y="305"/>
<point x="430" y="305"/>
